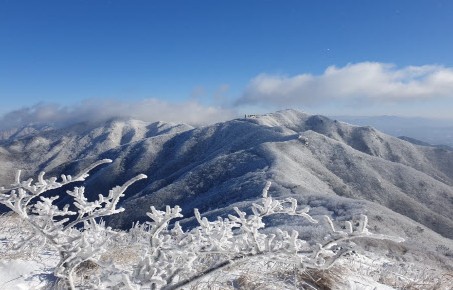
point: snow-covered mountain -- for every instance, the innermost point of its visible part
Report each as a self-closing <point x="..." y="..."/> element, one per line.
<point x="23" y="131"/>
<point x="432" y="131"/>
<point x="336" y="168"/>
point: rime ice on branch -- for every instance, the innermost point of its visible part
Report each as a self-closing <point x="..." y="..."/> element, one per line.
<point x="177" y="259"/>
<point x="55" y="225"/>
<point x="173" y="258"/>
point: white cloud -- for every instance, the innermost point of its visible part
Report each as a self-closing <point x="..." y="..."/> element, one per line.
<point x="373" y="88"/>
<point x="360" y="83"/>
<point x="191" y="112"/>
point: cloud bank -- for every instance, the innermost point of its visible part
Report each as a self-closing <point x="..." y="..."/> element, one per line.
<point x="369" y="88"/>
<point x="190" y="112"/>
<point x="359" y="83"/>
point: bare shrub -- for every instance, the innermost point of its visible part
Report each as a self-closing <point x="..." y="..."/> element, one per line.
<point x="160" y="254"/>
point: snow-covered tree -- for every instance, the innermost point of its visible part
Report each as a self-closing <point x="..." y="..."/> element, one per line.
<point x="176" y="258"/>
<point x="171" y="258"/>
<point x="57" y="226"/>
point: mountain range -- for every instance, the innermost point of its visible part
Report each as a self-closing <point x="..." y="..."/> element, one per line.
<point x="429" y="130"/>
<point x="339" y="169"/>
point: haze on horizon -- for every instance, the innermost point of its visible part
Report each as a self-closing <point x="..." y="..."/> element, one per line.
<point x="201" y="62"/>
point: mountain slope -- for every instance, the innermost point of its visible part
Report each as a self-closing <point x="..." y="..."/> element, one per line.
<point x="433" y="131"/>
<point x="335" y="167"/>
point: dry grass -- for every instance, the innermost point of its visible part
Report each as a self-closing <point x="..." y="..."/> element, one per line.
<point x="271" y="276"/>
<point x="247" y="282"/>
<point x="402" y="275"/>
<point x="253" y="276"/>
<point x="443" y="281"/>
<point x="12" y="230"/>
<point x="125" y="255"/>
<point x="313" y="278"/>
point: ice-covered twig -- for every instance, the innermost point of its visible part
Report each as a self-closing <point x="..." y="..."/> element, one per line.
<point x="326" y="254"/>
<point x="58" y="225"/>
<point x="240" y="237"/>
<point x="104" y="206"/>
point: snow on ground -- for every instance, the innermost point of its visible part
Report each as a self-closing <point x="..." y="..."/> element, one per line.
<point x="264" y="275"/>
<point x="29" y="268"/>
<point x="24" y="274"/>
<point x="357" y="273"/>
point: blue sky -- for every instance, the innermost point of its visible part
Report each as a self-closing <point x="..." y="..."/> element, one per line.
<point x="226" y="57"/>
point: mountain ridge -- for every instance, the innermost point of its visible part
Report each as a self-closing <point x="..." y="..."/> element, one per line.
<point x="325" y="163"/>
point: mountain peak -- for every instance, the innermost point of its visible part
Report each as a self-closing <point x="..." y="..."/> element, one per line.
<point x="290" y="118"/>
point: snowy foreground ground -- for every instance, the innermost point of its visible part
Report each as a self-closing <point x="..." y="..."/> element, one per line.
<point x="37" y="274"/>
<point x="31" y="268"/>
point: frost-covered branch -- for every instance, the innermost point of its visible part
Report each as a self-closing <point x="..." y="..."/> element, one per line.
<point x="326" y="254"/>
<point x="57" y="225"/>
<point x="170" y="257"/>
<point x="177" y="258"/>
<point x="20" y="194"/>
<point x="104" y="206"/>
